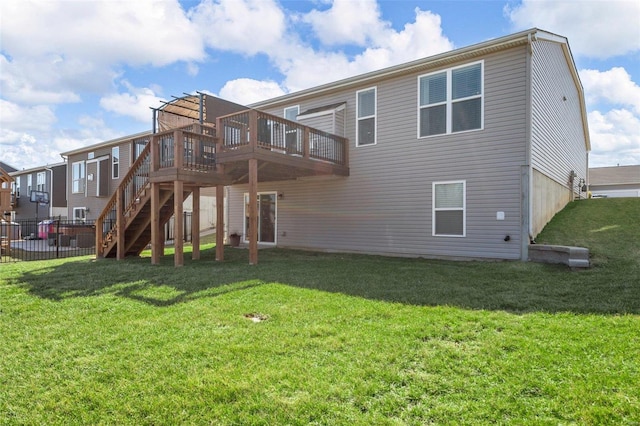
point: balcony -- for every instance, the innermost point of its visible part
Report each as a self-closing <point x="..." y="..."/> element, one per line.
<point x="208" y="155"/>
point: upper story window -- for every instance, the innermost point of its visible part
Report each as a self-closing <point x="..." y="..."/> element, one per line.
<point x="115" y="162"/>
<point x="77" y="179"/>
<point x="29" y="184"/>
<point x="366" y="117"/>
<point x="16" y="187"/>
<point x="451" y="101"/>
<point x="40" y="180"/>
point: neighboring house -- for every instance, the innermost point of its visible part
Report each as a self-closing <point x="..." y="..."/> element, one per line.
<point x="619" y="181"/>
<point x="465" y="154"/>
<point x="6" y="191"/>
<point x="94" y="172"/>
<point x="40" y="192"/>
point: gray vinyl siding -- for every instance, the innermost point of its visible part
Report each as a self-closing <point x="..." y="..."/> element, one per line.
<point x="557" y="139"/>
<point x="385" y="205"/>
<point x="94" y="203"/>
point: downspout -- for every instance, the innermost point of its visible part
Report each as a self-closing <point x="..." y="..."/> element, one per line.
<point x="526" y="175"/>
<point x="51" y="192"/>
<point x="67" y="180"/>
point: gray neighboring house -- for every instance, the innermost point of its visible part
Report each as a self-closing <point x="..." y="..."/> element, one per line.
<point x="94" y="172"/>
<point x="618" y="181"/>
<point x="50" y="179"/>
<point x="466" y="154"/>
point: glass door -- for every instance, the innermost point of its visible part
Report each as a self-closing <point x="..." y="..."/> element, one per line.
<point x="266" y="217"/>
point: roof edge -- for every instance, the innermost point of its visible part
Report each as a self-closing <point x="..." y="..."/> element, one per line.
<point x="107" y="143"/>
<point x="444" y="58"/>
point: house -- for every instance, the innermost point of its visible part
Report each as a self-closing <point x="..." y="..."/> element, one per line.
<point x="462" y="155"/>
<point x="618" y="181"/>
<point x="40" y="192"/>
<point x="6" y="191"/>
<point x="94" y="172"/>
<point x="466" y="154"/>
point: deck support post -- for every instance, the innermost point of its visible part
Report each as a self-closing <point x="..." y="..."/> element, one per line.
<point x="219" y="223"/>
<point x="178" y="222"/>
<point x="156" y="233"/>
<point x="120" y="225"/>
<point x="195" y="224"/>
<point x="253" y="211"/>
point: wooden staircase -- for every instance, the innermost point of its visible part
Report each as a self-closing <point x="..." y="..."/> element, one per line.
<point x="138" y="223"/>
<point x="131" y="205"/>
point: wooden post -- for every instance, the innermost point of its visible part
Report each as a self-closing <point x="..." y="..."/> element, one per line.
<point x="195" y="224"/>
<point x="99" y="238"/>
<point x="155" y="153"/>
<point x="219" y="223"/>
<point x="306" y="149"/>
<point x="156" y="233"/>
<point x="345" y="151"/>
<point x="253" y="211"/>
<point x="178" y="222"/>
<point x="178" y="149"/>
<point x="120" y="224"/>
<point x="253" y="129"/>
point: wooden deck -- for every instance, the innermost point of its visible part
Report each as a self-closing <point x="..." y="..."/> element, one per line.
<point x="246" y="147"/>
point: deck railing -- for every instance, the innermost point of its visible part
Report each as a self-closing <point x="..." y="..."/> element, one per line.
<point x="196" y="151"/>
<point x="262" y="130"/>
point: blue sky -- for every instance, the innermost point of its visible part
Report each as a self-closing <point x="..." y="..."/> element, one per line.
<point x="76" y="73"/>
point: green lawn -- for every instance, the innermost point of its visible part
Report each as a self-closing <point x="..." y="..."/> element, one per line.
<point x="309" y="338"/>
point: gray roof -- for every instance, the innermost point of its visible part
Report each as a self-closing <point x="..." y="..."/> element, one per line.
<point x="614" y="175"/>
<point x="7" y="168"/>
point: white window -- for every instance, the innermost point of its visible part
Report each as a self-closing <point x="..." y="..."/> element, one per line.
<point x="366" y="113"/>
<point x="115" y="162"/>
<point x="29" y="184"/>
<point x="16" y="187"/>
<point x="449" y="208"/>
<point x="40" y="180"/>
<point x="451" y="101"/>
<point x="78" y="176"/>
<point x="79" y="214"/>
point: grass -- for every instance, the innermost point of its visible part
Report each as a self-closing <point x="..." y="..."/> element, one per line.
<point x="310" y="338"/>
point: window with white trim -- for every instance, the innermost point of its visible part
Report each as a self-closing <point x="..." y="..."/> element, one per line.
<point x="366" y="117"/>
<point x="115" y="162"/>
<point x="78" y="176"/>
<point x="29" y="184"/>
<point x="79" y="214"/>
<point x="40" y="180"/>
<point x="451" y="101"/>
<point x="449" y="208"/>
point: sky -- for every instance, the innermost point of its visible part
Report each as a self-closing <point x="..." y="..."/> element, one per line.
<point x="75" y="73"/>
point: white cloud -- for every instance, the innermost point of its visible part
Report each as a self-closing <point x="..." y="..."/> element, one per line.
<point x="347" y="22"/>
<point x="305" y="67"/>
<point x="135" y="32"/>
<point x="19" y="118"/>
<point x="595" y="28"/>
<point x="135" y="103"/>
<point x="245" y="26"/>
<point x="613" y="87"/>
<point x="245" y="91"/>
<point x="615" y="138"/>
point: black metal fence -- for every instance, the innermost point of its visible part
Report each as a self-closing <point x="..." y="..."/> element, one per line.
<point x="32" y="239"/>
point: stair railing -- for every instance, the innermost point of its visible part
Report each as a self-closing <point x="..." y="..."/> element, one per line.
<point x="129" y="191"/>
